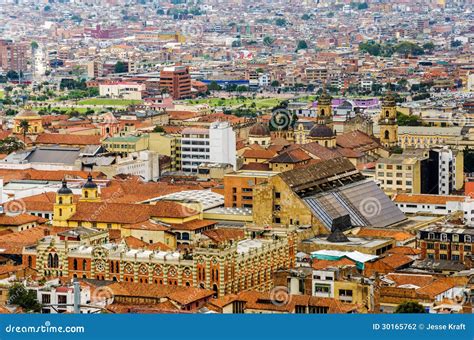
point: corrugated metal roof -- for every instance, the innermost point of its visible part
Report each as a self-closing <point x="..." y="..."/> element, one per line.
<point x="363" y="201"/>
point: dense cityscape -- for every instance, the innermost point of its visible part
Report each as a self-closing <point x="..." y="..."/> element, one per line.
<point x="237" y="157"/>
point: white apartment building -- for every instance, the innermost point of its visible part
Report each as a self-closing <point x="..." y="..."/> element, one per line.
<point x="145" y="164"/>
<point x="214" y="145"/>
<point x="122" y="90"/>
<point x="447" y="170"/>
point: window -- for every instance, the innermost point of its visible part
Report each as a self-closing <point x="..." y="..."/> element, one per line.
<point x="430" y="245"/>
<point x="455" y="238"/>
<point x="467" y="238"/>
<point x="277" y="195"/>
<point x="443" y="246"/>
<point x="321" y="289"/>
<point x="62" y="299"/>
<point x="444" y="237"/>
<point x="45" y="298"/>
<point x="74" y="264"/>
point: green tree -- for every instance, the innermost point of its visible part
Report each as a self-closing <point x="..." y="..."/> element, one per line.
<point x="121" y="67"/>
<point x="410" y="307"/>
<point x="306" y="17"/>
<point x="268" y="41"/>
<point x="34" y="45"/>
<point x="275" y="83"/>
<point x="158" y="129"/>
<point x="213" y="86"/>
<point x="24" y="126"/>
<point x="10" y="144"/>
<point x="280" y="22"/>
<point x="26" y="299"/>
<point x="302" y="45"/>
<point x="429" y="46"/>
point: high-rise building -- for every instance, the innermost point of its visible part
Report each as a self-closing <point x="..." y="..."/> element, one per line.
<point x="13" y="56"/>
<point x="177" y="81"/>
<point x="214" y="145"/>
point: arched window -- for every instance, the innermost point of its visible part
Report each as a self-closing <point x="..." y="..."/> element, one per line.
<point x="117" y="267"/>
<point x="185" y="236"/>
<point x="60" y="212"/>
<point x="386" y="134"/>
<point x="50" y="261"/>
<point x="84" y="265"/>
<point x="214" y="288"/>
<point x="387" y="114"/>
<point x="74" y="264"/>
<point x="55" y="261"/>
<point x="322" y="112"/>
<point x="60" y="200"/>
<point x="86" y="194"/>
<point x="30" y="261"/>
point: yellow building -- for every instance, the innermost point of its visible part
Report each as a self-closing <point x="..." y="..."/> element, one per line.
<point x="144" y="221"/>
<point x="34" y="120"/>
<point x="167" y="145"/>
<point x="399" y="173"/>
<point x="126" y="144"/>
<point x="388" y="122"/>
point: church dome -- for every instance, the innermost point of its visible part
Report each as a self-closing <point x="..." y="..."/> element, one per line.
<point x="64" y="190"/>
<point x="259" y="130"/>
<point x="27" y="113"/>
<point x="90" y="183"/>
<point x="321" y="131"/>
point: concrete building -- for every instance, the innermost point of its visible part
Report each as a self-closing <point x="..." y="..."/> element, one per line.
<point x="177" y="81"/>
<point x="13" y="56"/>
<point x="122" y="90"/>
<point x="214" y="145"/>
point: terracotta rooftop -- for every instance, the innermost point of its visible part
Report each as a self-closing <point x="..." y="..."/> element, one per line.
<point x="193" y="225"/>
<point x="125" y="213"/>
<point x="67" y="139"/>
<point x="224" y="234"/>
<point x="397" y="235"/>
<point x="427" y="199"/>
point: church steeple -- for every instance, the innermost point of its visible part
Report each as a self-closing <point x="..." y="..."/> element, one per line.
<point x="388" y="121"/>
<point x="90" y="191"/>
<point x="64" y="207"/>
<point x="324" y="110"/>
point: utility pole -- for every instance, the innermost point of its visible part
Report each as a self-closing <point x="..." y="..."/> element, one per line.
<point x="77" y="297"/>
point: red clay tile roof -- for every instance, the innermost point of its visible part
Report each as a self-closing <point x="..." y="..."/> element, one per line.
<point x="182" y="295"/>
<point x="134" y="243"/>
<point x="256" y="166"/>
<point x="323" y="264"/>
<point x="224" y="234"/>
<point x="125" y="213"/>
<point x="147" y="225"/>
<point x="18" y="220"/>
<point x="427" y="199"/>
<point x="67" y="139"/>
<point x="397" y="235"/>
<point x="291" y="156"/>
<point x="261" y="154"/>
<point x="13" y="243"/>
<point x="404" y="251"/>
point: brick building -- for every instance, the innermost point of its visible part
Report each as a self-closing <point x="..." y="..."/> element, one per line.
<point x="177" y="81"/>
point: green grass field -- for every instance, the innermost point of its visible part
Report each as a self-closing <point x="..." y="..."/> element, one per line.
<point x="108" y="102"/>
<point x="261" y="103"/>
